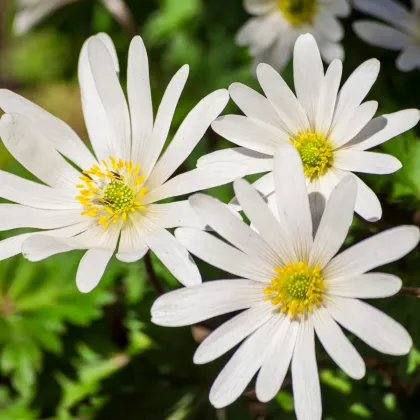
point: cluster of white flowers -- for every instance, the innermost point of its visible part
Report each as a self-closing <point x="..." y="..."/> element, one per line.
<point x="291" y="281"/>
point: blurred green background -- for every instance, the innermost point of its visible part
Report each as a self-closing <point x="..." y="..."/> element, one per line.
<point x="64" y="355"/>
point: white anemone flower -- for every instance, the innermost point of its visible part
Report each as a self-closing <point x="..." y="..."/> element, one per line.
<point x="332" y="129"/>
<point x="276" y="25"/>
<point x="290" y="285"/>
<point x="112" y="200"/>
<point x="400" y="33"/>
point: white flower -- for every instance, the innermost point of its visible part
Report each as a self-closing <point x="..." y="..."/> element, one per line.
<point x="403" y="34"/>
<point x="277" y="24"/>
<point x="290" y="284"/>
<point x="113" y="201"/>
<point x="332" y="130"/>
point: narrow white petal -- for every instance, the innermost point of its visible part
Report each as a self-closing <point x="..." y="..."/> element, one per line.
<point x="61" y="136"/>
<point x="292" y="200"/>
<point x="232" y="332"/>
<point x="335" y="223"/>
<point x="337" y="345"/>
<point x="218" y="253"/>
<point x="368" y="205"/>
<point x="371" y="325"/>
<point x="243" y="365"/>
<point x="331" y="51"/>
<point x="189" y="305"/>
<point x="277" y="360"/>
<point x="306" y="388"/>
<point x="132" y="246"/>
<point x="308" y="74"/>
<point x="365" y="286"/>
<point x="112" y="98"/>
<point x="109" y="44"/>
<point x="12" y="246"/>
<point x="380" y="249"/>
<point x="409" y="59"/>
<point x="254" y="161"/>
<point x="259" y="7"/>
<point x="340" y="8"/>
<point x="283" y="100"/>
<point x="91" y="269"/>
<point x="328" y="26"/>
<point x="188" y="135"/>
<point x="140" y="101"/>
<point x="249" y="133"/>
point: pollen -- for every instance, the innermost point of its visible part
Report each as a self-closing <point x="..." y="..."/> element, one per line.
<point x="298" y="12"/>
<point x="297" y="289"/>
<point x="316" y="153"/>
<point x="110" y="191"/>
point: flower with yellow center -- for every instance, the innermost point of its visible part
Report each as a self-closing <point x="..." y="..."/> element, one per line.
<point x="113" y="203"/>
<point x="290" y="284"/>
<point x="276" y="24"/>
<point x="332" y="129"/>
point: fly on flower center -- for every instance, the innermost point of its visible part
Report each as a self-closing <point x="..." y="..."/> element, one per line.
<point x="298" y="12"/>
<point x="111" y="191"/>
<point x="297" y="288"/>
<point x="315" y="151"/>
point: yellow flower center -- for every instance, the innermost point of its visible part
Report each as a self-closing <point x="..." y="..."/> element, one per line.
<point x="315" y="151"/>
<point x="112" y="191"/>
<point x="297" y="288"/>
<point x="298" y="12"/>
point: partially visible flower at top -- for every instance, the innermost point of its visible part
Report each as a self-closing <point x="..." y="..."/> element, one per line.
<point x="402" y="33"/>
<point x="290" y="284"/>
<point x="331" y="129"/>
<point x="277" y="24"/>
<point x="31" y="12"/>
<point x="111" y="201"/>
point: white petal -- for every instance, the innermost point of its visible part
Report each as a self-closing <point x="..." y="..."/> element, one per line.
<point x="292" y="200"/>
<point x="174" y="256"/>
<point x="249" y="133"/>
<point x="328" y="97"/>
<point x="263" y="220"/>
<point x="410" y="59"/>
<point x="381" y="35"/>
<point x="277" y="360"/>
<point x="112" y="99"/>
<point x="380" y="249"/>
<point x="371" y="325"/>
<point x="283" y="100"/>
<point x="340" y="8"/>
<point x="335" y="223"/>
<point x="109" y="44"/>
<point x="190" y="305"/>
<point x="253" y="104"/>
<point x="243" y="365"/>
<point x="28" y="146"/>
<point x="254" y="161"/>
<point x="308" y="74"/>
<point x="164" y="117"/>
<point x="305" y="379"/>
<point x="232" y="332"/>
<point x="12" y="246"/>
<point x="366" y="162"/>
<point x="61" y="136"/>
<point x="259" y="7"/>
<point x="91" y="269"/>
<point x="337" y="345"/>
<point x="140" y="101"/>
<point x="377" y="132"/>
<point x="365" y="286"/>
<point x="132" y="246"/>
<point x="218" y="253"/>
<point x="232" y="229"/>
<point x="331" y="51"/>
<point x="188" y="135"/>
<point x="368" y="205"/>
<point x="32" y="194"/>
<point x="328" y="26"/>
<point x="209" y="176"/>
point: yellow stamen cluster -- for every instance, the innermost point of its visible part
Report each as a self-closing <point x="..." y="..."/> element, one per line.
<point x="109" y="193"/>
<point x="297" y="288"/>
<point x="298" y="12"/>
<point x="315" y="151"/>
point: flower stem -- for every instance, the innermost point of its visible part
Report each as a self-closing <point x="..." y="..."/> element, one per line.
<point x="410" y="291"/>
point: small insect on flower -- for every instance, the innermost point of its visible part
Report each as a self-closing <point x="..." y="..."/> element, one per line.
<point x="112" y="200"/>
<point x="290" y="284"/>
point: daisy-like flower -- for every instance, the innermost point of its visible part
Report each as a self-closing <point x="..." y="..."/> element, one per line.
<point x="331" y="129"/>
<point x="113" y="198"/>
<point x="403" y="34"/>
<point x="276" y="25"/>
<point x="290" y="285"/>
<point x="31" y="12"/>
